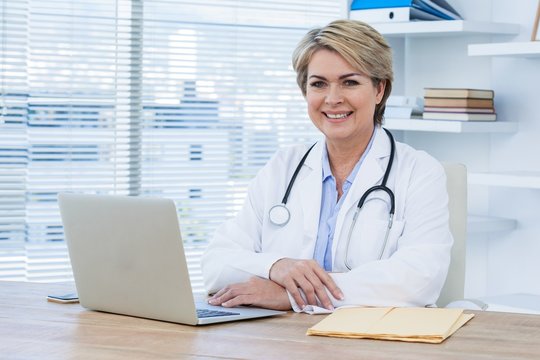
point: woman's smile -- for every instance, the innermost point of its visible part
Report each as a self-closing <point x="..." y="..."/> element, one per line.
<point x="337" y="117"/>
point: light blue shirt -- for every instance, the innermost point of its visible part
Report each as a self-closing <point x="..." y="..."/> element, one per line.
<point x="330" y="207"/>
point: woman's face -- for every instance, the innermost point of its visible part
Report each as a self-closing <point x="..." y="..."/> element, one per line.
<point x="341" y="100"/>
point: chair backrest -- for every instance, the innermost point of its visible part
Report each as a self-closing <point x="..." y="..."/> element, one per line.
<point x="456" y="182"/>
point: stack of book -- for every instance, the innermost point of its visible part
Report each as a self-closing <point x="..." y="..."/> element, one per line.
<point x="459" y="104"/>
<point x="377" y="11"/>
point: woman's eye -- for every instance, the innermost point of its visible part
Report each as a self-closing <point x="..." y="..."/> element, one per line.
<point x="317" y="84"/>
<point x="350" y="82"/>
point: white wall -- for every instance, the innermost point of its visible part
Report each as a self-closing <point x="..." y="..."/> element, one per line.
<point x="503" y="262"/>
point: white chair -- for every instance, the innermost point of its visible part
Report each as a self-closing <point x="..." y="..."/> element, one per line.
<point x="456" y="181"/>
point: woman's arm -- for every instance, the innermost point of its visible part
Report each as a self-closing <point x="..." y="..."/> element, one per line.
<point x="415" y="273"/>
<point x="236" y="253"/>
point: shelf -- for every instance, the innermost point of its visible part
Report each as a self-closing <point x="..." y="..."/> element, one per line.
<point x="516" y="179"/>
<point x="451" y="126"/>
<point x="448" y="27"/>
<point x="477" y="224"/>
<point x="517" y="303"/>
<point x="513" y="49"/>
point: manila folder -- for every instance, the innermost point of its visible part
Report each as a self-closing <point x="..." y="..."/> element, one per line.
<point x="414" y="324"/>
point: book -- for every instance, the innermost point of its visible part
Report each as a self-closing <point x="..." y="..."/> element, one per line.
<point x="397" y="14"/>
<point x="403" y="106"/>
<point x="401" y="112"/>
<point x="439" y="8"/>
<point x="459" y="109"/>
<point x="401" y="100"/>
<point x="458" y="102"/>
<point x="459" y="93"/>
<point x="429" y="115"/>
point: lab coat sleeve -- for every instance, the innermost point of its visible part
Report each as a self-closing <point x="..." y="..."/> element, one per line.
<point x="415" y="273"/>
<point x="235" y="253"/>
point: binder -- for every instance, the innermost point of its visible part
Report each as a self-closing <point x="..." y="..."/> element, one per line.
<point x="375" y="4"/>
<point x="397" y="14"/>
<point x="439" y="8"/>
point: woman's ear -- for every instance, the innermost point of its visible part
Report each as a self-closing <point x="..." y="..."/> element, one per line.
<point x="381" y="86"/>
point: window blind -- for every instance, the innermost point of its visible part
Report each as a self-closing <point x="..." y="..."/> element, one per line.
<point x="13" y="144"/>
<point x="178" y="99"/>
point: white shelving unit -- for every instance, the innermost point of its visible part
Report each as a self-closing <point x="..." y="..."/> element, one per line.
<point x="451" y="126"/>
<point x="444" y="28"/>
<point x="511" y="49"/>
<point x="476" y="224"/>
<point x="477" y="53"/>
<point x="516" y="179"/>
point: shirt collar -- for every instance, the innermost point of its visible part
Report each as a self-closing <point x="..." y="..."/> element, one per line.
<point x="327" y="172"/>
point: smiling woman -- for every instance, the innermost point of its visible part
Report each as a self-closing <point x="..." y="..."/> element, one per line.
<point x="345" y="241"/>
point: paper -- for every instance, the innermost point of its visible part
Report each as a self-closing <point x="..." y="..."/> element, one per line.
<point x="432" y="325"/>
<point x="315" y="310"/>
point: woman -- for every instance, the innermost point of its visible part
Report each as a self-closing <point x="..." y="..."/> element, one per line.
<point x="319" y="252"/>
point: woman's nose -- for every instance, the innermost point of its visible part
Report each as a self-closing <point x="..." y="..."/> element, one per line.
<point x="334" y="95"/>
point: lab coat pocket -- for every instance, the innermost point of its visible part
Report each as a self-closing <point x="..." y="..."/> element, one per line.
<point x="368" y="242"/>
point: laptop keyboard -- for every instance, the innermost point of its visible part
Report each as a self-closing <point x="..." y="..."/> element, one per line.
<point x="204" y="313"/>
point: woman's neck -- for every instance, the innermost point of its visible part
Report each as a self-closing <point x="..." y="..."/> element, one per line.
<point x="343" y="157"/>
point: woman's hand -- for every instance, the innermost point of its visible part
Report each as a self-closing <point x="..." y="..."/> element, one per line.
<point x="307" y="275"/>
<point x="256" y="291"/>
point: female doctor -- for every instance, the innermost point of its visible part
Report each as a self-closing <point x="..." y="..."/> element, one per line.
<point x="357" y="219"/>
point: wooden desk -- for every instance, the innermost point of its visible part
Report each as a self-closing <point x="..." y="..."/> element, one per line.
<point x="32" y="328"/>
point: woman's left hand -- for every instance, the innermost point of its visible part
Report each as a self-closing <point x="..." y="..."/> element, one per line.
<point x="256" y="291"/>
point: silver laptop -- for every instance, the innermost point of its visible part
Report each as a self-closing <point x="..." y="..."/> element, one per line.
<point x="128" y="258"/>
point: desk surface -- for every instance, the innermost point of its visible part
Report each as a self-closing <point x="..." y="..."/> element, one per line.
<point x="31" y="327"/>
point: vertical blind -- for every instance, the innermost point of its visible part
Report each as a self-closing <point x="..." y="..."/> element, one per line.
<point x="178" y="99"/>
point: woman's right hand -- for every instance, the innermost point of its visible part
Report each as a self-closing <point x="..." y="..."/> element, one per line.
<point x="308" y="276"/>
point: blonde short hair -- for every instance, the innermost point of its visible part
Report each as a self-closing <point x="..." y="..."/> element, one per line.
<point x="359" y="44"/>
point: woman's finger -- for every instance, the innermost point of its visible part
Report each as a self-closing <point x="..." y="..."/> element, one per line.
<point x="292" y="288"/>
<point x="329" y="283"/>
<point x="239" y="300"/>
<point x="304" y="283"/>
<point x="320" y="291"/>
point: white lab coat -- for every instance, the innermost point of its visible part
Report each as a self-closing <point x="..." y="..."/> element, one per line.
<point x="415" y="261"/>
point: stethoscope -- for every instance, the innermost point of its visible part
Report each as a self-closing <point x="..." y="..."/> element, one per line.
<point x="280" y="215"/>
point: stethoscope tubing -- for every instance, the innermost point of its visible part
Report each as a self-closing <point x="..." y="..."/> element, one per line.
<point x="279" y="214"/>
<point x="293" y="178"/>
<point x="362" y="201"/>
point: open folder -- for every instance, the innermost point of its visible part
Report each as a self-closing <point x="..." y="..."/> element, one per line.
<point x="431" y="325"/>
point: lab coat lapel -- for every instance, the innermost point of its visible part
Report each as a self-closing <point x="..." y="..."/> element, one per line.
<point x="310" y="189"/>
<point x="370" y="173"/>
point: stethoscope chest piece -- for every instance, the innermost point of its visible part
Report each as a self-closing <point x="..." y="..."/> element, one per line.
<point x="279" y="215"/>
